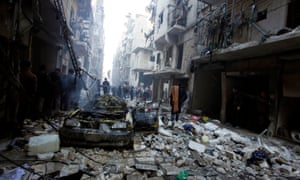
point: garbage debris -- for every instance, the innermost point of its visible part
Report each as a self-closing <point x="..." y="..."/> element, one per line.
<point x="190" y="150"/>
<point x="13" y="174"/>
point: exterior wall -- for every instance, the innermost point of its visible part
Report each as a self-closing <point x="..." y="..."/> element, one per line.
<point x="275" y="21"/>
<point x="97" y="41"/>
<point x="192" y="13"/>
<point x="161" y="9"/>
<point x="188" y="52"/>
<point x="143" y="60"/>
<point x="141" y="26"/>
<point x="70" y="8"/>
<point x="207" y="94"/>
<point x="169" y="36"/>
<point x="274" y="74"/>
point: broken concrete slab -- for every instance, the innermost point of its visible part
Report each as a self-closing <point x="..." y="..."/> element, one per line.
<point x="150" y="167"/>
<point x="169" y="169"/>
<point x="200" y="148"/>
<point x="134" y="177"/>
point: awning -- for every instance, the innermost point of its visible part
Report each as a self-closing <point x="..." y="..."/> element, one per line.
<point x="165" y="73"/>
<point x="137" y="49"/>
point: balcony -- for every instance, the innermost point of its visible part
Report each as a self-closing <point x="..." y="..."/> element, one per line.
<point x="177" y="18"/>
<point x="166" y="72"/>
<point x="138" y="49"/>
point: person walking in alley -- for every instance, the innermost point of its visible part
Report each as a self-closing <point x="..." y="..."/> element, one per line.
<point x="177" y="97"/>
<point x="106" y="86"/>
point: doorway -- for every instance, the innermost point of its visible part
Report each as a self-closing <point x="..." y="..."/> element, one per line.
<point x="247" y="104"/>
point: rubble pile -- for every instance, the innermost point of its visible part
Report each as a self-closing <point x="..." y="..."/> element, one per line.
<point x="193" y="149"/>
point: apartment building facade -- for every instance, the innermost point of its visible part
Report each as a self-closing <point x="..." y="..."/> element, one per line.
<point x="133" y="57"/>
<point x="248" y="64"/>
<point x="231" y="53"/>
<point x="140" y="59"/>
<point x="97" y="40"/>
<point x="36" y="31"/>
<point x="173" y="42"/>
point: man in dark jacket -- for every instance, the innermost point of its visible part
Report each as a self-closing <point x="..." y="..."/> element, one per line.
<point x="29" y="83"/>
<point x="106" y="86"/>
<point x="43" y="91"/>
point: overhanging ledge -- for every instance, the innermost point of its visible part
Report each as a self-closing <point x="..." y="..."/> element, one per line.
<point x="165" y="74"/>
<point x="253" y="49"/>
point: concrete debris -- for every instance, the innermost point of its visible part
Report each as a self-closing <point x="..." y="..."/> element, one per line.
<point x="196" y="146"/>
<point x="207" y="151"/>
<point x="43" y="144"/>
<point x="45" y="156"/>
<point x="169" y="169"/>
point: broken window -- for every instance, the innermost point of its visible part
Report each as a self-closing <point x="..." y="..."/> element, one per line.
<point x="160" y="19"/>
<point x="152" y="58"/>
<point x="158" y="58"/>
<point x="261" y="15"/>
<point x="180" y="54"/>
<point x="168" y="61"/>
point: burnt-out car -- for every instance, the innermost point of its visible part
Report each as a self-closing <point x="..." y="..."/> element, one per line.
<point x="145" y="117"/>
<point x="98" y="126"/>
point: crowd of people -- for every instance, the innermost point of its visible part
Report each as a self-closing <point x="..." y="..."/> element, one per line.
<point x="131" y="92"/>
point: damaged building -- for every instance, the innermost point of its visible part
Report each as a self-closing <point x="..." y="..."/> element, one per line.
<point x="247" y="64"/>
<point x="52" y="33"/>
<point x="238" y="59"/>
<point x="134" y="57"/>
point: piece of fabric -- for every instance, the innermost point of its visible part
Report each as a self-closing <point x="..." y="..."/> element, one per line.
<point x="175" y="98"/>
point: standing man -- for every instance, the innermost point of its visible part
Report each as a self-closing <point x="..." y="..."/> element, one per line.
<point x="29" y="83"/>
<point x="177" y="97"/>
<point x="43" y="92"/>
<point x="106" y="86"/>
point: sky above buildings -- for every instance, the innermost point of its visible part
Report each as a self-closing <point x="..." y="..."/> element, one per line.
<point x="114" y="25"/>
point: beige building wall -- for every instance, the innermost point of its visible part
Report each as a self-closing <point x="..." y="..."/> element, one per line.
<point x="161" y="25"/>
<point x="140" y="54"/>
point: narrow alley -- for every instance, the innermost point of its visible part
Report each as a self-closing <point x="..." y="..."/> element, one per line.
<point x="193" y="89"/>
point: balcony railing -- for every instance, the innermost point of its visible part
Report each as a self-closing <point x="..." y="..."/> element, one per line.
<point x="177" y="16"/>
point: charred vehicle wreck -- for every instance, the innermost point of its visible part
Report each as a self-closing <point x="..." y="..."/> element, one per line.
<point x="145" y="117"/>
<point x="102" y="123"/>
